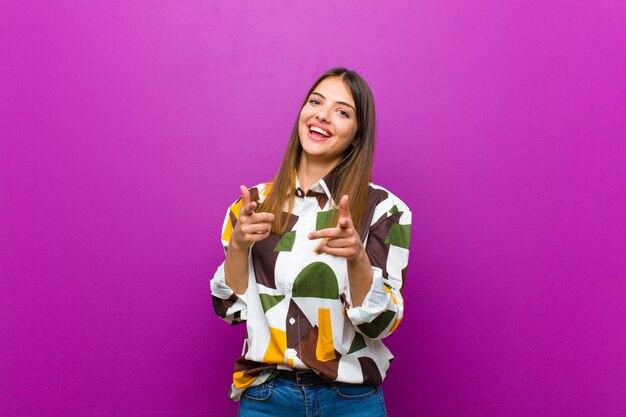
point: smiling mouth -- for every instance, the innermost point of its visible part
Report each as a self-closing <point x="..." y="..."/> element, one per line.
<point x="319" y="131"/>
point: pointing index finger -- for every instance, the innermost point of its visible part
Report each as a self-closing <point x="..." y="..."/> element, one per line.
<point x="344" y="212"/>
<point x="247" y="207"/>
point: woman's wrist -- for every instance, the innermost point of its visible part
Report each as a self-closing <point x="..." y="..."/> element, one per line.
<point x="232" y="245"/>
<point x="360" y="255"/>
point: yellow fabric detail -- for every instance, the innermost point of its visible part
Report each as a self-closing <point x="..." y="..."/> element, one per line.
<point x="397" y="322"/>
<point x="275" y="352"/>
<point x="290" y="362"/>
<point x="268" y="187"/>
<point x="228" y="231"/>
<point x="325" y="350"/>
<point x="241" y="381"/>
<point x="236" y="208"/>
<point x="393" y="297"/>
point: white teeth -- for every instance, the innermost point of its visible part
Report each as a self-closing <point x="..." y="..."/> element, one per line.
<point x="318" y="130"/>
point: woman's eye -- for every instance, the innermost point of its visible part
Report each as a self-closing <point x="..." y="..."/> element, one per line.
<point x="344" y="113"/>
<point x="314" y="101"/>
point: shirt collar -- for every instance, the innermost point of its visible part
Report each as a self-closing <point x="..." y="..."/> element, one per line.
<point x="326" y="186"/>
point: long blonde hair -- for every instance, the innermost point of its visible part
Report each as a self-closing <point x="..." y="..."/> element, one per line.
<point x="352" y="173"/>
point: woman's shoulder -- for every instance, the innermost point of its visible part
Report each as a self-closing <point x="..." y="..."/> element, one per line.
<point x="260" y="191"/>
<point x="385" y="199"/>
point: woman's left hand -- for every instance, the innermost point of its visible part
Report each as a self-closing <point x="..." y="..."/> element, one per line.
<point x="342" y="240"/>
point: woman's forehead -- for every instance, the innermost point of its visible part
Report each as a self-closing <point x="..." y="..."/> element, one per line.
<point x="334" y="89"/>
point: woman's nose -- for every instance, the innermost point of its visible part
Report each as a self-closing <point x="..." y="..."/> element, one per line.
<point x="322" y="116"/>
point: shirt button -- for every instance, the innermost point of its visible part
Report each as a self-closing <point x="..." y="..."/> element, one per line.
<point x="292" y="321"/>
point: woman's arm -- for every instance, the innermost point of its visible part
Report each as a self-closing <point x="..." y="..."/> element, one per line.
<point x="236" y="268"/>
<point x="360" y="276"/>
<point x="375" y="273"/>
<point x="229" y="284"/>
<point x="249" y="228"/>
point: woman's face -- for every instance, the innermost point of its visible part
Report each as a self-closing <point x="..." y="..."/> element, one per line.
<point x="327" y="122"/>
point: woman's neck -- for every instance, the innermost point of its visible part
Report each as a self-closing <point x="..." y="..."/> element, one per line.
<point x="309" y="172"/>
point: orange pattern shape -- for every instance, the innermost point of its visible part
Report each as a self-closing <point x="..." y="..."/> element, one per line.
<point x="325" y="349"/>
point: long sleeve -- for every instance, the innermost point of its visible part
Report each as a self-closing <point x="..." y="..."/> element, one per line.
<point x="229" y="306"/>
<point x="387" y="246"/>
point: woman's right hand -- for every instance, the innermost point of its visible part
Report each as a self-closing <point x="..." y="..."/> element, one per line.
<point x="250" y="226"/>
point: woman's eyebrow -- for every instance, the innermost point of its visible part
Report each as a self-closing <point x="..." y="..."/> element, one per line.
<point x="339" y="102"/>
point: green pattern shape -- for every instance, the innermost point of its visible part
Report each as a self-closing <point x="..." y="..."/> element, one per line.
<point x="268" y="301"/>
<point x="399" y="235"/>
<point x="358" y="343"/>
<point x="393" y="210"/>
<point x="378" y="325"/>
<point x="324" y="219"/>
<point x="285" y="244"/>
<point x="316" y="280"/>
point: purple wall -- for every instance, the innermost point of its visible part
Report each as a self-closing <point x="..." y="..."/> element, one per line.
<point x="127" y="127"/>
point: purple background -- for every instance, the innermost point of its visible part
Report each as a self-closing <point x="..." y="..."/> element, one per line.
<point x="127" y="127"/>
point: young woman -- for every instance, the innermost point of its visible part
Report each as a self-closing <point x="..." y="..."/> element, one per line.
<point x="315" y="263"/>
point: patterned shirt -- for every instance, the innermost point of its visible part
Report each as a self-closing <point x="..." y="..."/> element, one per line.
<point x="297" y="306"/>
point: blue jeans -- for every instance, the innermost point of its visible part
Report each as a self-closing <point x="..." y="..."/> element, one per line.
<point x="280" y="397"/>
